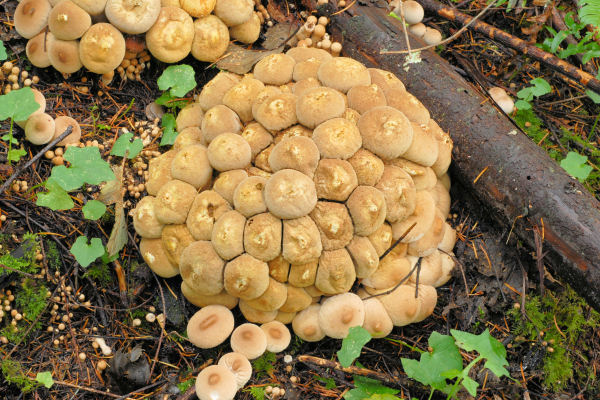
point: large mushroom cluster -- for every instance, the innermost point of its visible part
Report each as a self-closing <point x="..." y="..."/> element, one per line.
<point x="287" y="185"/>
<point x="86" y="33"/>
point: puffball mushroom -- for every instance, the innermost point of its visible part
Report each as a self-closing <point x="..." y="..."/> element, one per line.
<point x="68" y="21"/>
<point x="386" y="132"/>
<point x="249" y="340"/>
<point x="211" y="38"/>
<point x="290" y="194"/>
<point x="343" y="73"/>
<point x="132" y="16"/>
<point x="31" y="17"/>
<point x="318" y="105"/>
<point x="174" y="200"/>
<point x="102" y="48"/>
<point x="241" y="97"/>
<point x="159" y="172"/>
<point x="336" y="272"/>
<point x="175" y="239"/>
<point x="39" y="128"/>
<point x="337" y="138"/>
<point x="275" y="69"/>
<point x="93" y="7"/>
<point x="239" y="365"/>
<point x="234" y="12"/>
<point x="216" y="382"/>
<point x="170" y="38"/>
<point x="413" y="12"/>
<point x="262" y="236"/>
<point x="210" y="326"/>
<point x="206" y="208"/>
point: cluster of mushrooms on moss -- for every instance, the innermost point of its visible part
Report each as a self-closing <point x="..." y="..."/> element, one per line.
<point x="284" y="192"/>
<point x="71" y="34"/>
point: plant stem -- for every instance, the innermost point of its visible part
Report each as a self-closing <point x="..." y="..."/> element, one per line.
<point x="10" y="139"/>
<point x="413" y="348"/>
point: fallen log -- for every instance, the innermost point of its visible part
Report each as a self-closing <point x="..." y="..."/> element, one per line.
<point x="513" y="178"/>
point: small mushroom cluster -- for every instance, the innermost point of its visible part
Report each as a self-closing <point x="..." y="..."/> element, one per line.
<point x="10" y="75"/>
<point x="413" y="14"/>
<point x="86" y="33"/>
<point x="313" y="34"/>
<point x="289" y="184"/>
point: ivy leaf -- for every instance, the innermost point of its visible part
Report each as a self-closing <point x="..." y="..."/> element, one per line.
<point x="57" y="198"/>
<point x="18" y="104"/>
<point x="367" y="388"/>
<point x="593" y="95"/>
<point x="45" y="378"/>
<point x="169" y="134"/>
<point x="179" y="79"/>
<point x="3" y="54"/>
<point x="86" y="253"/>
<point x="87" y="166"/>
<point x="124" y="144"/>
<point x="15" y="154"/>
<point x="576" y="165"/>
<point x="540" y="87"/>
<point x="93" y="209"/>
<point x="352" y="345"/>
<point x="487" y="346"/>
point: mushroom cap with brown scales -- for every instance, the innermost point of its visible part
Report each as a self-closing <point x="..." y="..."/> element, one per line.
<point x="334" y="179"/>
<point x="301" y="240"/>
<point x="239" y="365"/>
<point x="334" y="223"/>
<point x="399" y="191"/>
<point x="93" y="7"/>
<point x="275" y="69"/>
<point x="228" y="234"/>
<point x="211" y="38"/>
<point x="290" y="194"/>
<point x="306" y="324"/>
<point x="39" y="128"/>
<point x="64" y="55"/>
<point x="448" y="241"/>
<point x="191" y="166"/>
<point x="206" y="208"/>
<point x="430" y="270"/>
<point x="247" y="32"/>
<point x="37" y="50"/>
<point x="278" y="336"/>
<point x="364" y="256"/>
<point x="343" y="73"/>
<point x="298" y="153"/>
<point x="31" y="17"/>
<point x="175" y="239"/>
<point x="427" y="300"/>
<point x="279" y="268"/>
<point x="367" y="166"/>
<point x="408" y="104"/>
<point x="227" y="181"/>
<point x="424" y="147"/>
<point x="423" y="177"/>
<point x="336" y="272"/>
<point x="220" y="119"/>
<point x="234" y="12"/>
<point x="159" y="172"/>
<point x="367" y="208"/>
<point x="276" y="112"/>
<point x="318" y="105"/>
<point x="197" y="8"/>
<point x="365" y="97"/>
<point x="155" y="255"/>
<point x="303" y="275"/>
<point x="41" y="100"/>
<point x="190" y="115"/>
<point x="377" y="321"/>
<point x="273" y="298"/>
<point x="246" y="277"/>
<point x="339" y="313"/>
<point x="210" y="326"/>
<point x="391" y="270"/>
<point x="173" y="202"/>
<point x="249" y="340"/>
<point x="337" y="138"/>
<point x="381" y="239"/>
<point x="216" y="382"/>
<point x="145" y="222"/>
<point x="229" y="151"/>
<point x="262" y="236"/>
<point x="385" y="80"/>
<point x="386" y="132"/>
<point x="305" y="84"/>
<point x="201" y="268"/>
<point x="61" y="123"/>
<point x="189" y="136"/>
<point x="430" y="242"/>
<point x="212" y="93"/>
<point x="401" y="305"/>
<point x="297" y="300"/>
<point x="241" y="97"/>
<point x="202" y="300"/>
<point x="423" y="217"/>
<point x="68" y="21"/>
<point x="132" y="16"/>
<point x="256" y="316"/>
<point x="102" y="48"/>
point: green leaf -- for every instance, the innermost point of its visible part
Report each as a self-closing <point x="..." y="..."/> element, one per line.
<point x="522" y="105"/>
<point x="329" y="382"/>
<point x="169" y="134"/>
<point x="540" y="87"/>
<point x="57" y="198"/>
<point x="15" y="154"/>
<point x="179" y="79"/>
<point x="86" y="253"/>
<point x="589" y="12"/>
<point x="87" y="166"/>
<point x="3" y="55"/>
<point x="487" y="346"/>
<point x="93" y="209"/>
<point x="18" y="104"/>
<point x="444" y="357"/>
<point x="367" y="388"/>
<point x="45" y="378"/>
<point x="9" y="138"/>
<point x="352" y="345"/>
<point x="576" y="165"/>
<point x="470" y="385"/>
<point x="593" y="95"/>
<point x="124" y="145"/>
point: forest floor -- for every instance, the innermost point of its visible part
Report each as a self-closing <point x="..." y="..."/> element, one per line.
<point x="552" y="341"/>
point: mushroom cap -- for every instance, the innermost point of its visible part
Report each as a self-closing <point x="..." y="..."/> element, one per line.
<point x="216" y="382"/>
<point x="210" y="326"/>
<point x="448" y="264"/>
<point x="423" y="177"/>
<point x="319" y="104"/>
<point x="367" y="166"/>
<point x="276" y="112"/>
<point x="220" y="119"/>
<point x="175" y="239"/>
<point x="256" y="316"/>
<point x="242" y="95"/>
<point x="41" y="100"/>
<point x="284" y="317"/>
<point x="423" y="216"/>
<point x="246" y="277"/>
<point x="37" y="50"/>
<point x="201" y="300"/>
<point x="381" y="239"/>
<point x="249" y="340"/>
<point x="303" y="275"/>
<point x="417" y="29"/>
<point x="64" y="55"/>
<point x="239" y="365"/>
<point x="432" y="36"/>
<point x="170" y="38"/>
<point x="274" y="297"/>
<point x="201" y="268"/>
<point x="391" y="270"/>
<point x="399" y="191"/>
<point x="228" y="234"/>
<point x="212" y="93"/>
<point x="132" y="16"/>
<point x="290" y="194"/>
<point x="211" y="38"/>
<point x="247" y="32"/>
<point x="413" y="12"/>
<point x="431" y="240"/>
<point x="385" y="131"/>
<point x="304" y="84"/>
<point x="229" y="151"/>
<point x="68" y="21"/>
<point x="401" y="305"/>
<point x="427" y="300"/>
<point x="174" y="200"/>
<point x="430" y="270"/>
<point x="39" y="128"/>
<point x="102" y="48"/>
<point x="297" y="300"/>
<point x="408" y="104"/>
<point x="377" y="321"/>
<point x="385" y="80"/>
<point x="278" y="336"/>
<point x="31" y="17"/>
<point x="262" y="236"/>
<point x="448" y="240"/>
<point x="337" y="138"/>
<point x="343" y="73"/>
<point x="248" y="196"/>
<point x="334" y="179"/>
<point x="190" y="115"/>
<point x="367" y="208"/>
<point x="206" y="208"/>
<point x="279" y="269"/>
<point x="424" y="147"/>
<point x="336" y="272"/>
<point x="339" y="313"/>
<point x="364" y="97"/>
<point x="301" y="240"/>
<point x="191" y="166"/>
<point x="306" y="71"/>
<point x="297" y="152"/>
<point x="197" y="8"/>
<point x="502" y="99"/>
<point x="159" y="172"/>
<point x="275" y="69"/>
<point x="364" y="256"/>
<point x="61" y="123"/>
<point x="444" y="149"/>
<point x="306" y="53"/>
<point x="234" y="12"/>
<point x="93" y="7"/>
<point x="155" y="255"/>
<point x="257" y="137"/>
<point x="144" y="219"/>
<point x="306" y="324"/>
<point x="334" y="223"/>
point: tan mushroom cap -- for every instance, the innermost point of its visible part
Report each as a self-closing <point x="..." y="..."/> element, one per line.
<point x="448" y="240"/>
<point x="385" y="80"/>
<point x="239" y="365"/>
<point x="61" y="123"/>
<point x="206" y="208"/>
<point x="201" y="300"/>
<point x="102" y="48"/>
<point x="216" y="382"/>
<point x="279" y="269"/>
<point x="334" y="223"/>
<point x="401" y="305"/>
<point x="144" y="219"/>
<point x="377" y="321"/>
<point x="257" y="137"/>
<point x="424" y="147"/>
<point x="441" y="164"/>
<point x="431" y="240"/>
<point x="408" y="104"/>
<point x="249" y="340"/>
<point x="201" y="268"/>
<point x="159" y="172"/>
<point x="336" y="272"/>
<point x="275" y="69"/>
<point x="298" y="152"/>
<point x="41" y="100"/>
<point x="155" y="255"/>
<point x="413" y="12"/>
<point x="246" y="277"/>
<point x="210" y="326"/>
<point x="297" y="300"/>
<point x="229" y="151"/>
<point x="306" y="53"/>
<point x="227" y="181"/>
<point x="306" y="71"/>
<point x="191" y="166"/>
<point x="303" y="275"/>
<point x="427" y="300"/>
<point x="304" y="84"/>
<point x="197" y="8"/>
<point x="441" y="196"/>
<point x="234" y="12"/>
<point x="367" y="208"/>
<point x="334" y="179"/>
<point x="132" y="16"/>
<point x="228" y="234"/>
<point x="175" y="239"/>
<point x="290" y="194"/>
<point x="445" y="181"/>
<point x="391" y="270"/>
<point x="248" y="196"/>
<point x="301" y="240"/>
<point x="31" y="17"/>
<point x="343" y="73"/>
<point x="306" y="324"/>
<point x="278" y="336"/>
<point x="367" y="166"/>
<point x="262" y="236"/>
<point x="337" y="138"/>
<point x="399" y="191"/>
<point x="417" y="29"/>
<point x="170" y="38"/>
<point x="364" y="97"/>
<point x="93" y="7"/>
<point x="220" y="119"/>
<point x="247" y="32"/>
<point x="423" y="177"/>
<point x="190" y="115"/>
<point x="318" y="105"/>
<point x="432" y="36"/>
<point x="39" y="128"/>
<point x="241" y="97"/>
<point x="212" y="93"/>
<point x="430" y="270"/>
<point x="174" y="200"/>
<point x="273" y="298"/>
<point x="68" y="21"/>
<point x="423" y="217"/>
<point x="341" y="312"/>
<point x="448" y="264"/>
<point x="256" y="316"/>
<point x="64" y="55"/>
<point x="364" y="256"/>
<point x="211" y="38"/>
<point x="284" y="317"/>
<point x="37" y="50"/>
<point x="381" y="239"/>
<point x="385" y="131"/>
<point x="189" y="136"/>
<point x="276" y="112"/>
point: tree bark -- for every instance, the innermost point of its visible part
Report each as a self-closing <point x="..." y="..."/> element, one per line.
<point x="515" y="180"/>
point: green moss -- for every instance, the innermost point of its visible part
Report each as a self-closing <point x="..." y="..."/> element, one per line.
<point x="30" y="300"/>
<point x="13" y="373"/>
<point x="99" y="272"/>
<point x="52" y="256"/>
<point x="264" y="364"/>
<point x="25" y="263"/>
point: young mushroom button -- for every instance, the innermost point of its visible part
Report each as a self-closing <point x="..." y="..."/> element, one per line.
<point x="386" y="132"/>
<point x="229" y="151"/>
<point x="201" y="268"/>
<point x="211" y="38"/>
<point x="39" y="128"/>
<point x="234" y="12"/>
